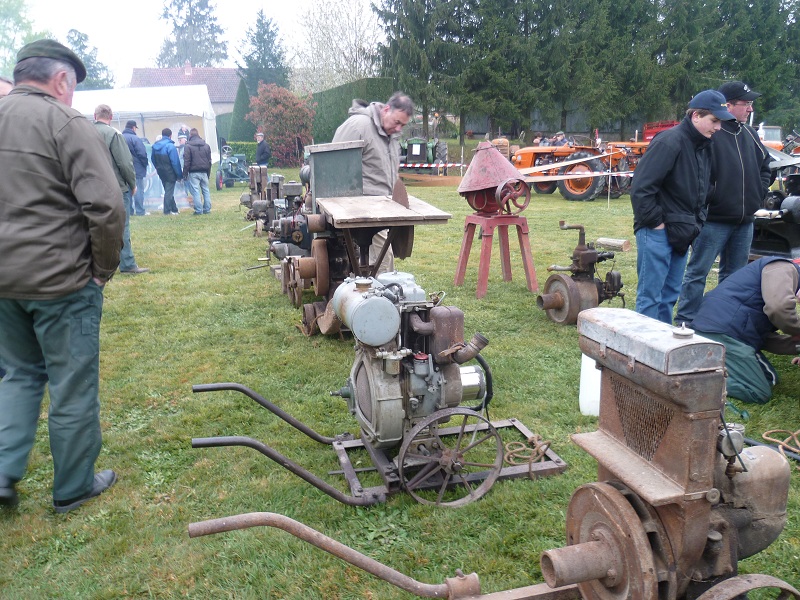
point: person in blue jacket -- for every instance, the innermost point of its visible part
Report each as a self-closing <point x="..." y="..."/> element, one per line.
<point x="168" y="166"/>
<point x="754" y="309"/>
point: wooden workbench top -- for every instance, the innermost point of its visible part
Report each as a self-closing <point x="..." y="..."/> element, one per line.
<point x="348" y="212"/>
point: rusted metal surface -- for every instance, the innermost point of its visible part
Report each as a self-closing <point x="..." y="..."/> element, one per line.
<point x="565" y="296"/>
<point x="429" y="461"/>
<point x="487" y="170"/>
<point x="541" y="591"/>
<point x="276" y="410"/>
<point x="459" y="587"/>
<point x="323" y="542"/>
<point x="667" y="492"/>
<point x="471" y="477"/>
<point x="735" y="587"/>
<point x="399" y="193"/>
<point x="602" y="524"/>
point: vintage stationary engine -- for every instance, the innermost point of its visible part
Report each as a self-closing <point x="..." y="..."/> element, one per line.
<point x="409" y="355"/>
<point x="678" y="500"/>
<point x="565" y="296"/>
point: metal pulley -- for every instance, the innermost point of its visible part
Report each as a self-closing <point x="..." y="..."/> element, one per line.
<point x="491" y="183"/>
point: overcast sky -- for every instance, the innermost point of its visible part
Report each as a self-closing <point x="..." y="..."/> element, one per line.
<point x="130" y="34"/>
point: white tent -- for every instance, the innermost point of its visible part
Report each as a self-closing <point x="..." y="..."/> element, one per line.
<point x="155" y="108"/>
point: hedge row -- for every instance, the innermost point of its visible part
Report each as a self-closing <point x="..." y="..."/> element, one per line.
<point x="332" y="105"/>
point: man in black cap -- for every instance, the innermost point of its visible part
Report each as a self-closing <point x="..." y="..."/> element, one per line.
<point x="668" y="196"/>
<point x="740" y="167"/>
<point x="140" y="162"/>
<point x="61" y="224"/>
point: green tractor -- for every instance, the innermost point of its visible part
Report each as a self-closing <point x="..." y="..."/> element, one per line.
<point x="419" y="151"/>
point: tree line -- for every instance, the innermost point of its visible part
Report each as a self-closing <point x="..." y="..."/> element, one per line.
<point x="616" y="62"/>
<point x="613" y="60"/>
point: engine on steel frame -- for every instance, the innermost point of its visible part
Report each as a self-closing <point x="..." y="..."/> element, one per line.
<point x="409" y="355"/>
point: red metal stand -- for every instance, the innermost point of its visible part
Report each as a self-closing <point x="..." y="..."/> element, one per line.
<point x="488" y="223"/>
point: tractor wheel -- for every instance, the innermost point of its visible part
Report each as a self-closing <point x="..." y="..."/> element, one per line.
<point x="544" y="187"/>
<point x="620" y="184"/>
<point x="582" y="189"/>
<point x="219" y="180"/>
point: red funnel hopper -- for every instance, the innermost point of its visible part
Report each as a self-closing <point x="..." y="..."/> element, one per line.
<point x="487" y="170"/>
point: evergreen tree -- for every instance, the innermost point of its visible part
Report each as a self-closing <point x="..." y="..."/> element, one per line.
<point x="242" y="130"/>
<point x="98" y="76"/>
<point x="264" y="58"/>
<point x="765" y="67"/>
<point x="196" y="36"/>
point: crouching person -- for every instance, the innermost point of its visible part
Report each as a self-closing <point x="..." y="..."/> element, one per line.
<point x="744" y="313"/>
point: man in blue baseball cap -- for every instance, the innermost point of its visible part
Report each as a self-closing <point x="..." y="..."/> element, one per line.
<point x="740" y="166"/>
<point x="668" y="195"/>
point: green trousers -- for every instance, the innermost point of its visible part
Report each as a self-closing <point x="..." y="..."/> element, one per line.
<point x="54" y="343"/>
<point x="750" y="374"/>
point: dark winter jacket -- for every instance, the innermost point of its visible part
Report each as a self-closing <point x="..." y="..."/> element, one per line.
<point x="165" y="159"/>
<point x="740" y="307"/>
<point x="740" y="165"/>
<point x="196" y="156"/>
<point x="263" y="153"/>
<point x="671" y="184"/>
<point x="138" y="152"/>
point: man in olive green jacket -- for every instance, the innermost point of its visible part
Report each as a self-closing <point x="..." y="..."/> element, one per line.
<point x="122" y="162"/>
<point x="61" y="223"/>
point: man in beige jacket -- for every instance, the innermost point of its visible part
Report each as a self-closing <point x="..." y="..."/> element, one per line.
<point x="379" y="125"/>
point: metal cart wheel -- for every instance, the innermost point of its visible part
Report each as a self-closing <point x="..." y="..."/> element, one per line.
<point x="452" y="467"/>
<point x="739" y="586"/>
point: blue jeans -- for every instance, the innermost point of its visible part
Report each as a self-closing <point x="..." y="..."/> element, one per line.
<point x="660" y="272"/>
<point x="731" y="243"/>
<point x="138" y="197"/>
<point x="198" y="184"/>
<point x="126" y="260"/>
<point x="53" y="344"/>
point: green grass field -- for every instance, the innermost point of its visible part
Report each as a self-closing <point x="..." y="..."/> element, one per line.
<point x="201" y="316"/>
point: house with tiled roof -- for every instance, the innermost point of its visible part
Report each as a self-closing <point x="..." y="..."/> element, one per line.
<point x="222" y="83"/>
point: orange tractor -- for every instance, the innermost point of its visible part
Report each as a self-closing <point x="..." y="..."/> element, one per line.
<point x="582" y="172"/>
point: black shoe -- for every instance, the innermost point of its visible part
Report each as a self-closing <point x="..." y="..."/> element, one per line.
<point x="8" y="495"/>
<point x="102" y="481"/>
<point x="135" y="271"/>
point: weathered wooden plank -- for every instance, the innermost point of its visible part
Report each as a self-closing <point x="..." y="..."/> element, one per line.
<point x="368" y="211"/>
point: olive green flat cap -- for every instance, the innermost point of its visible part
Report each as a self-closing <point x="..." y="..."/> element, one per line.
<point x="52" y="49"/>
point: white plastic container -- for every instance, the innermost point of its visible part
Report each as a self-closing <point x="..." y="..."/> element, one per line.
<point x="589" y="395"/>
